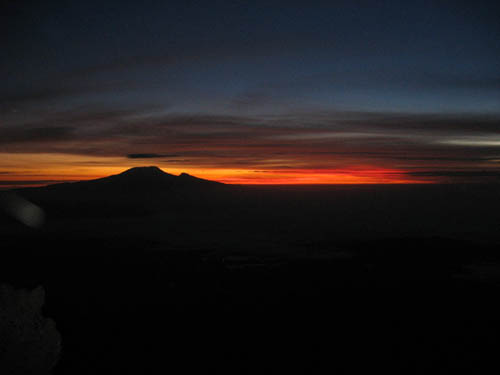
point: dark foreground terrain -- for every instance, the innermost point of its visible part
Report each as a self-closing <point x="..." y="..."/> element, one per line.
<point x="400" y="279"/>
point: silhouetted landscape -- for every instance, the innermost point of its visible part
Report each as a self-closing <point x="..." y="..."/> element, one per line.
<point x="230" y="187"/>
<point x="150" y="272"/>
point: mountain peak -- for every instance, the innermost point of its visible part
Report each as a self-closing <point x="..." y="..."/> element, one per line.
<point x="150" y="171"/>
<point x="134" y="182"/>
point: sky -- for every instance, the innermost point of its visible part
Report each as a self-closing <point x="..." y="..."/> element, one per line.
<point x="251" y="92"/>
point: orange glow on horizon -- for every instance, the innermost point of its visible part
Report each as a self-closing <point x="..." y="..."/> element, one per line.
<point x="324" y="177"/>
<point x="43" y="169"/>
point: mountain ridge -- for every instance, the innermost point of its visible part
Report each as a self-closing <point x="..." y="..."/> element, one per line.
<point x="152" y="174"/>
<point x="135" y="178"/>
<point x="136" y="191"/>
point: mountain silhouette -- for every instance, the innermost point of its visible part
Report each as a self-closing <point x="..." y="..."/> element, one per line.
<point x="138" y="190"/>
<point x="148" y="179"/>
<point x="133" y="180"/>
<point x="155" y="176"/>
<point x="144" y="172"/>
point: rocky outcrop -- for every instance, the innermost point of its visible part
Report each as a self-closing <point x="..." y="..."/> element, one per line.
<point x="29" y="342"/>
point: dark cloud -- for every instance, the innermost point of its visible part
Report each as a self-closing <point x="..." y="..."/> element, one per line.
<point x="22" y="134"/>
<point x="444" y="124"/>
<point x="465" y="174"/>
<point x="300" y="140"/>
<point x="59" y="89"/>
<point x="40" y="94"/>
<point x="404" y="157"/>
<point x="151" y="156"/>
<point x="144" y="125"/>
<point x="440" y="158"/>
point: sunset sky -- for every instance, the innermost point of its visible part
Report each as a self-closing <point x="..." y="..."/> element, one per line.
<point x="251" y="92"/>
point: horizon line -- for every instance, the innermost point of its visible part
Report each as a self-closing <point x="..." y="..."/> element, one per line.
<point x="331" y="177"/>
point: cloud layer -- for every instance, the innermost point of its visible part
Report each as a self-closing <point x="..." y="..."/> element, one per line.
<point x="415" y="144"/>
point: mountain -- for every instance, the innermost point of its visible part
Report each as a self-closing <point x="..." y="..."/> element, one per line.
<point x="135" y="180"/>
<point x="152" y="177"/>
<point x="136" y="191"/>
